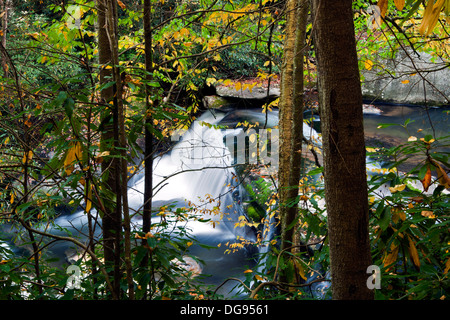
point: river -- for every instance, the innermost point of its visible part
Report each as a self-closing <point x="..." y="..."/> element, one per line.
<point x="200" y="168"/>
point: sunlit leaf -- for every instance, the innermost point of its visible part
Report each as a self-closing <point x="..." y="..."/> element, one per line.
<point x="391" y="257"/>
<point x="399" y="187"/>
<point x="368" y="64"/>
<point x="426" y="181"/>
<point x="73" y="154"/>
<point x="88" y="200"/>
<point x="428" y="214"/>
<point x="431" y="16"/>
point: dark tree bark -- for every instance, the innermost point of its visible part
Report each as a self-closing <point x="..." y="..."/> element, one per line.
<point x="148" y="121"/>
<point x="340" y="102"/>
<point x="111" y="218"/>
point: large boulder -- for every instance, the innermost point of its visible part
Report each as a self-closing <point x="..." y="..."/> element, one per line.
<point x="255" y="93"/>
<point x="401" y="79"/>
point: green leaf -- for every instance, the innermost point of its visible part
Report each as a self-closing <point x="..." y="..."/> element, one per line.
<point x="385" y="218"/>
<point x="385" y="125"/>
<point x="69" y="105"/>
<point x="315" y="171"/>
<point x="107" y="85"/>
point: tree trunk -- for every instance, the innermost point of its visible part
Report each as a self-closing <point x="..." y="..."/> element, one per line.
<point x="297" y="116"/>
<point x="340" y="102"/>
<point x="4" y="9"/>
<point x="291" y="118"/>
<point x="287" y="216"/>
<point x="291" y="126"/>
<point x="111" y="218"/>
<point x="148" y="153"/>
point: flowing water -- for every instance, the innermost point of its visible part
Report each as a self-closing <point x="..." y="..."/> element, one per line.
<point x="198" y="172"/>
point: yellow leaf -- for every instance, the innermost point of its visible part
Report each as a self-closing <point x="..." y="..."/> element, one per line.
<point x="368" y="64"/>
<point x="258" y="277"/>
<point x="447" y="266"/>
<point x="442" y="175"/>
<point x="184" y="32"/>
<point x="398" y="213"/>
<point x="392" y="256"/>
<point x="413" y="252"/>
<point x="300" y="269"/>
<point x="238" y="86"/>
<point x="400" y="4"/>
<point x="99" y="157"/>
<point x="426" y="180"/>
<point x="6" y="140"/>
<point x="398" y="187"/>
<point x="73" y="154"/>
<point x="88" y="200"/>
<point x="405" y="81"/>
<point x="210" y="81"/>
<point x="428" y="214"/>
<point x="248" y="271"/>
<point x="431" y="16"/>
<point x="28" y="157"/>
<point x="12" y="198"/>
<point x="121" y="4"/>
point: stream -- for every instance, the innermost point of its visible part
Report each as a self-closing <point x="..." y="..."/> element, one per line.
<point x="198" y="172"/>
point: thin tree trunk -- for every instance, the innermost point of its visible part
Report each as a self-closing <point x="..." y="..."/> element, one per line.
<point x="291" y="125"/>
<point x="286" y="120"/>
<point x="111" y="219"/>
<point x="4" y="9"/>
<point x="340" y="102"/>
<point x="148" y="153"/>
<point x="148" y="121"/>
<point x="297" y="116"/>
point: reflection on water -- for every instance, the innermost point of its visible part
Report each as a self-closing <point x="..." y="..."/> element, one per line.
<point x="432" y="121"/>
